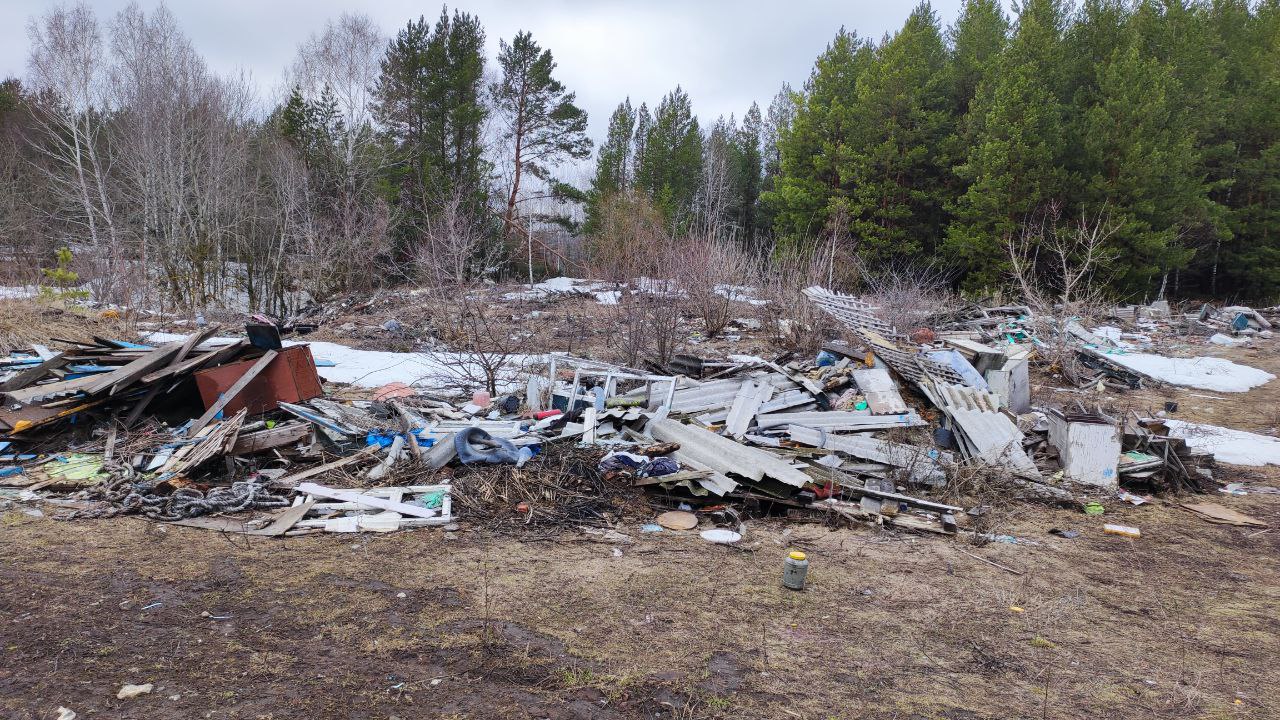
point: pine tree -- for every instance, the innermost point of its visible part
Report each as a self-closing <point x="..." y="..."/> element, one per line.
<point x="1014" y="165"/>
<point x="1244" y="258"/>
<point x="746" y="176"/>
<point x="613" y="163"/>
<point x="644" y="123"/>
<point x="978" y="37"/>
<point x="816" y="145"/>
<point x="429" y="103"/>
<point x="670" y="167"/>
<point x="894" y="173"/>
<point x="544" y="127"/>
<point x="1145" y="175"/>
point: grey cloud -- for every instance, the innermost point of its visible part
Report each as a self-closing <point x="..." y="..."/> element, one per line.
<point x="725" y="54"/>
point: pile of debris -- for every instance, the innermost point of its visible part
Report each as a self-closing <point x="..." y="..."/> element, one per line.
<point x="875" y="430"/>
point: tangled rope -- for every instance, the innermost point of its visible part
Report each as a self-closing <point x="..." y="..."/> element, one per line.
<point x="126" y="495"/>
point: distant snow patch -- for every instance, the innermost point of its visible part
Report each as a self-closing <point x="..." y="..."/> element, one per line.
<point x="740" y="293"/>
<point x="15" y="293"/>
<point x="1230" y="446"/>
<point x="1206" y="373"/>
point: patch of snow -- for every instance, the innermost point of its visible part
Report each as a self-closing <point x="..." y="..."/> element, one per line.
<point x="15" y="293"/>
<point x="555" y="286"/>
<point x="446" y="372"/>
<point x="1230" y="446"/>
<point x="1205" y="373"/>
<point x="609" y="297"/>
<point x="561" y="284"/>
<point x="740" y="293"/>
<point x="1227" y="340"/>
<point x="657" y="286"/>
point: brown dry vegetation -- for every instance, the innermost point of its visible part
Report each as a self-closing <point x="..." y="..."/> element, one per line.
<point x="27" y="321"/>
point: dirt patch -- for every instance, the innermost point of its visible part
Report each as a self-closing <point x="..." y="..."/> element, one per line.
<point x="1181" y="623"/>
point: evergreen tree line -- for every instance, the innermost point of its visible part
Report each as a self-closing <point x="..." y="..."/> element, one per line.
<point x="1158" y="119"/>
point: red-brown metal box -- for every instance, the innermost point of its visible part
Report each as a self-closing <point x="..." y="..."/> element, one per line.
<point x="291" y="377"/>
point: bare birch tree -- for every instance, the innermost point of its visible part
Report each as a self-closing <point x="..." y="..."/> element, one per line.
<point x="67" y="74"/>
<point x="335" y="72"/>
<point x="182" y="152"/>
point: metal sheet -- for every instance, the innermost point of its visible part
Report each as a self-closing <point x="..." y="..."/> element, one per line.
<point x="291" y="378"/>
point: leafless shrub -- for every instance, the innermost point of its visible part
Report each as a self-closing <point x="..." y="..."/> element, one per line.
<point x="456" y="247"/>
<point x="714" y="274"/>
<point x="486" y="349"/>
<point x="787" y="315"/>
<point x="630" y="239"/>
<point x="628" y="327"/>
<point x="907" y="293"/>
<point x="1059" y="267"/>
<point x="634" y="250"/>
<point x="664" y="305"/>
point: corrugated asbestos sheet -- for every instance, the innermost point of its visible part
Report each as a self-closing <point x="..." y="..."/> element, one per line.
<point x="880" y="390"/>
<point x="706" y="450"/>
<point x="839" y="420"/>
<point x="983" y="432"/>
<point x="921" y="463"/>
<point x="849" y="310"/>
<point x="719" y="394"/>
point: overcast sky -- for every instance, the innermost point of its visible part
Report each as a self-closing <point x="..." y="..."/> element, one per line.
<point x="725" y="53"/>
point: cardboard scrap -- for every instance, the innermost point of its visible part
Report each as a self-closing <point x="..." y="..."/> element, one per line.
<point x="1217" y="514"/>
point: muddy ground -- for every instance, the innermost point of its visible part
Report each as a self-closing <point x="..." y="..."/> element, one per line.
<point x="1182" y="623"/>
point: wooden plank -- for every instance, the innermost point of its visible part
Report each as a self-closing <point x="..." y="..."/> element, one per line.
<point x="126" y="375"/>
<point x="34" y="373"/>
<point x="369" y="500"/>
<point x="62" y="387"/>
<point x="110" y="450"/>
<point x="290" y="480"/>
<point x="275" y="437"/>
<point x="285" y="521"/>
<point x="178" y="368"/>
<point x="232" y="391"/>
<point x="176" y="365"/>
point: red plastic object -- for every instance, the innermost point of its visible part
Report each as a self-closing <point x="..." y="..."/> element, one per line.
<point x="543" y="415"/>
<point x="291" y="377"/>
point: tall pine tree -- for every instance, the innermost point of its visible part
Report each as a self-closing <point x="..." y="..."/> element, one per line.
<point x="613" y="163"/>
<point x="1015" y="163"/>
<point x="895" y="174"/>
<point x="544" y="126"/>
<point x="816" y="146"/>
<point x="429" y="104"/>
<point x="669" y="160"/>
